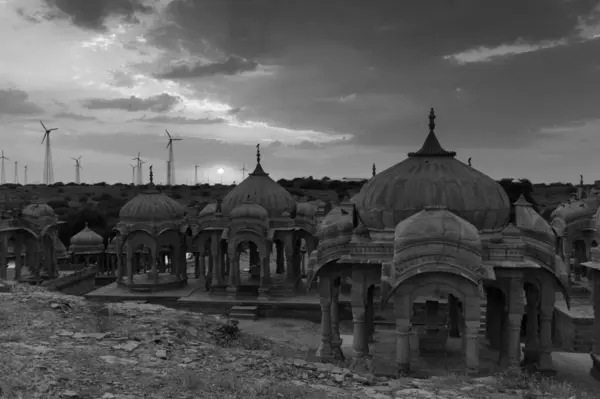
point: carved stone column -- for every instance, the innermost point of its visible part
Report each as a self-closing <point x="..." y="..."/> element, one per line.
<point x="3" y="265"/>
<point x="215" y="254"/>
<point x="547" y="299"/>
<point x="532" y="341"/>
<point x="336" y="340"/>
<point x="515" y="316"/>
<point x="210" y="273"/>
<point x="280" y="258"/>
<point x="234" y="270"/>
<point x="18" y="246"/>
<point x="402" y="313"/>
<point x="324" y="350"/>
<point x="201" y="262"/>
<point x="130" y="263"/>
<point x="265" y="273"/>
<point x="472" y="314"/>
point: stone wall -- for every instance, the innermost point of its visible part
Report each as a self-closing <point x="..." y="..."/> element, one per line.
<point x="571" y="333"/>
<point x="77" y="283"/>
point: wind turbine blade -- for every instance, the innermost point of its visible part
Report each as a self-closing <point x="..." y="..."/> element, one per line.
<point x="169" y="143"/>
<point x="168" y="134"/>
<point x="43" y="125"/>
<point x="44" y="138"/>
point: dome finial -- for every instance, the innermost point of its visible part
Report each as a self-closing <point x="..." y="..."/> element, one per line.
<point x="151" y="175"/>
<point x="432" y="147"/>
<point x="258" y="154"/>
<point x="374" y="170"/>
<point x="258" y="171"/>
<point x="431" y="121"/>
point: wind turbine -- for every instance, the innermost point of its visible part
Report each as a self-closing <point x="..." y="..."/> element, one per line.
<point x="196" y="174"/>
<point x="171" y="161"/>
<point x="25" y="176"/>
<point x="139" y="169"/>
<point x="77" y="169"/>
<point x="16" y="178"/>
<point x="3" y="177"/>
<point x="133" y="174"/>
<point x="48" y="177"/>
<point x="244" y="170"/>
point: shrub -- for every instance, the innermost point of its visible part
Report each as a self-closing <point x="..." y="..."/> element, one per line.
<point x="226" y="333"/>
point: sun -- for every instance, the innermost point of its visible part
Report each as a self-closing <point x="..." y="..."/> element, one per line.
<point x="220" y="171"/>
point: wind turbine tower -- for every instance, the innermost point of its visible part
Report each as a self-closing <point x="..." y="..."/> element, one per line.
<point x="25" y="176"/>
<point x="196" y="174"/>
<point x="78" y="168"/>
<point x="171" y="161"/>
<point x="132" y="174"/>
<point x="16" y="179"/>
<point x="3" y="177"/>
<point x="48" y="177"/>
<point x="138" y="179"/>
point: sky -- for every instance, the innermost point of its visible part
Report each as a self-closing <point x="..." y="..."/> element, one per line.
<point x="327" y="88"/>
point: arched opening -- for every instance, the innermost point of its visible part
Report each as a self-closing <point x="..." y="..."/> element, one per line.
<point x="441" y="316"/>
<point x="248" y="258"/>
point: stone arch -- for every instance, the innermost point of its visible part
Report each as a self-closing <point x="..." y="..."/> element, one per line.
<point x="251" y="236"/>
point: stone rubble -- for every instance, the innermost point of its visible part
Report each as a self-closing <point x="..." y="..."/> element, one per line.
<point x="160" y="345"/>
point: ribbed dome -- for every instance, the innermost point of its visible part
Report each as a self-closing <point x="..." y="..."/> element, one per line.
<point x="432" y="176"/>
<point x="249" y="210"/>
<point x="39" y="211"/>
<point x="259" y="188"/>
<point x="59" y="249"/>
<point x="87" y="236"/>
<point x="435" y="224"/>
<point x="209" y="209"/>
<point x="87" y="241"/>
<point x="151" y="206"/>
<point x="572" y="210"/>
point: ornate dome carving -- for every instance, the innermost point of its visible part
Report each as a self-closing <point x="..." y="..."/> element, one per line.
<point x="338" y="224"/>
<point x="152" y="207"/>
<point x="87" y="241"/>
<point x="259" y="188"/>
<point x="529" y="220"/>
<point x="432" y="176"/>
<point x="576" y="209"/>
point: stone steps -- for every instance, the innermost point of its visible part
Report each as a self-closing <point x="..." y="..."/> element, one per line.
<point x="281" y="291"/>
<point x="244" y="312"/>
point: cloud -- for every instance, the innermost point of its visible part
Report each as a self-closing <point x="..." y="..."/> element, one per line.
<point x="484" y="54"/>
<point x="231" y="66"/>
<point x="94" y="14"/>
<point x="159" y="103"/>
<point x="16" y="102"/>
<point x="75" y="117"/>
<point x="180" y="120"/>
<point x="123" y="79"/>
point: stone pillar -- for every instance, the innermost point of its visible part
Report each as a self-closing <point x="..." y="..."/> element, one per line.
<point x="595" y="354"/>
<point x="361" y="362"/>
<point x="453" y="316"/>
<point x="289" y="258"/>
<point x="370" y="315"/>
<point x="402" y="313"/>
<point x="472" y="345"/>
<point x="472" y="314"/>
<point x="280" y="258"/>
<point x="336" y="340"/>
<point x="547" y="298"/>
<point x="265" y="273"/>
<point x="210" y="273"/>
<point x="324" y="350"/>
<point x="303" y="261"/>
<point x="515" y="316"/>
<point x="234" y="270"/>
<point x="130" y="263"/>
<point x="201" y="261"/>
<point x="215" y="254"/>
<point x="532" y="341"/>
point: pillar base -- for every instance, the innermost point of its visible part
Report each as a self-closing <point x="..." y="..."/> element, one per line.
<point x="324" y="352"/>
<point x="263" y="294"/>
<point x="595" y="370"/>
<point x="337" y="353"/>
<point x="530" y="356"/>
<point x="362" y="364"/>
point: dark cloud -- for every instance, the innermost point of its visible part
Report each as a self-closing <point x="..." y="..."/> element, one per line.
<point x="75" y="117"/>
<point x="180" y="120"/>
<point x="374" y="71"/>
<point x="93" y="14"/>
<point x="16" y="102"/>
<point x="159" y="103"/>
<point x="231" y="66"/>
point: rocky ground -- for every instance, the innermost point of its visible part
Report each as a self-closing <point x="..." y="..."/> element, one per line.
<point x="56" y="346"/>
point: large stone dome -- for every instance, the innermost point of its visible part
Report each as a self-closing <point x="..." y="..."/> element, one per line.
<point x="259" y="188"/>
<point x="39" y="211"/>
<point x="432" y="176"/>
<point x="151" y="206"/>
<point x="87" y="241"/>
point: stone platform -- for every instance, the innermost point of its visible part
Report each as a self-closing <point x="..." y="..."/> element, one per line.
<point x="193" y="297"/>
<point x="573" y="328"/>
